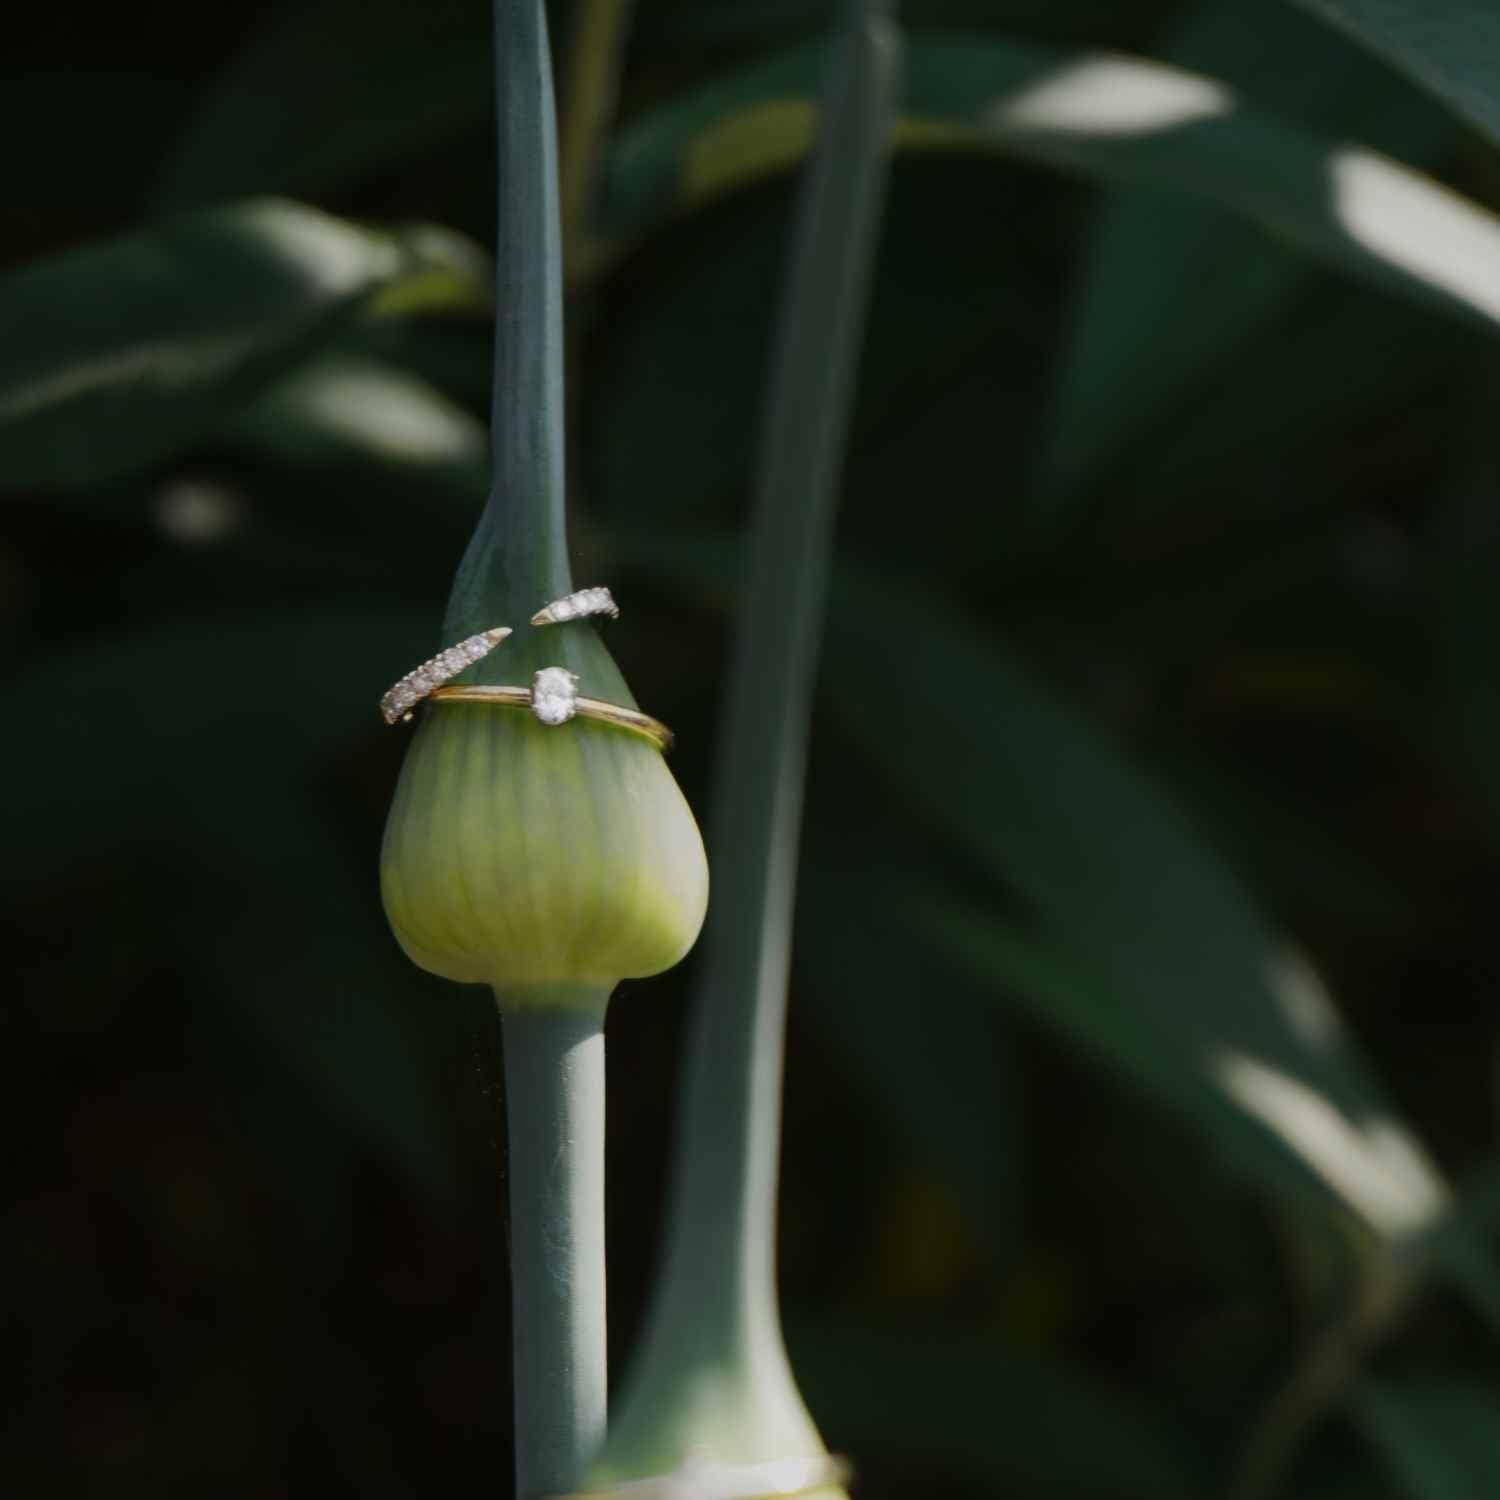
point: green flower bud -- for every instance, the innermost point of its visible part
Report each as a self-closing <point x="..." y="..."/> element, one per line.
<point x="538" y="858"/>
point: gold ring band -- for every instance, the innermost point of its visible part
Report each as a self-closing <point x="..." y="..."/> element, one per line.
<point x="781" y="1479"/>
<point x="587" y="708"/>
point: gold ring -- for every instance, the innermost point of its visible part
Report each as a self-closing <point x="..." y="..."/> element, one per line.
<point x="701" y="1479"/>
<point x="587" y="708"/>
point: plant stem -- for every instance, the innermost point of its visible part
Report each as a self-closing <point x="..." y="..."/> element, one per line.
<point x="554" y="1099"/>
<point x="724" y="1213"/>
<point x="712" y="1373"/>
<point x="517" y="559"/>
<point x="519" y="552"/>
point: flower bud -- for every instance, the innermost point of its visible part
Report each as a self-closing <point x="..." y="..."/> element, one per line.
<point x="539" y="859"/>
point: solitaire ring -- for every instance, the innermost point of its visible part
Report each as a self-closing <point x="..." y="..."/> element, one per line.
<point x="553" y="699"/>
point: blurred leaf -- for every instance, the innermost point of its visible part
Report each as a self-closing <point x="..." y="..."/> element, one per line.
<point x="1064" y="996"/>
<point x="325" y="994"/>
<point x="1169" y="285"/>
<point x="1192" y="983"/>
<point x="294" y="113"/>
<point x="960" y="1401"/>
<point x="1438" y="1436"/>
<point x="1301" y="862"/>
<point x="1323" y="397"/>
<point x="930" y="1051"/>
<point x="119" y="355"/>
<point x="1458" y="1247"/>
<point x="1102" y="116"/>
<point x="1480" y="1198"/>
<point x="331" y="91"/>
<point x="967" y="263"/>
<point x="731" y="22"/>
<point x="1151" y="958"/>
<point x="202" y="745"/>
<point x="658" y="435"/>
<point x="1450" y="47"/>
<point x="178" y="713"/>
<point x="375" y="427"/>
<point x="1456" y="1254"/>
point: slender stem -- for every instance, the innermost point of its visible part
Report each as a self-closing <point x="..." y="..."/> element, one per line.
<point x="711" y="1373"/>
<point x="554" y="1093"/>
<point x="724" y="1211"/>
<point x="593" y="80"/>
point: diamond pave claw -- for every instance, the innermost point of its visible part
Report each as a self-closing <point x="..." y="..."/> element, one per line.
<point x="416" y="685"/>
<point x="575" y="606"/>
<point x="554" y="695"/>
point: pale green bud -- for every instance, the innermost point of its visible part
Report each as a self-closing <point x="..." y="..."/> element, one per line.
<point x="545" y="861"/>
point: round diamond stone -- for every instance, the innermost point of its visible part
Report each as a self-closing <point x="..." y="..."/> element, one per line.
<point x="554" y="695"/>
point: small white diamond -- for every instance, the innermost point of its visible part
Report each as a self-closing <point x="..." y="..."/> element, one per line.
<point x="417" y="684"/>
<point x="554" y="695"/>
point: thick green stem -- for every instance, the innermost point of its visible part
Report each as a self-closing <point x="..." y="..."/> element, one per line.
<point x="554" y="1096"/>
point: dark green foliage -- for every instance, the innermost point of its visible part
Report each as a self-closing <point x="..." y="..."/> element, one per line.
<point x="1163" y="650"/>
<point x="124" y="354"/>
<point x="1450" y="47"/>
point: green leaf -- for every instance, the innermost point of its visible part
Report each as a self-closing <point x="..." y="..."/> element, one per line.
<point x="1449" y="47"/>
<point x="122" y="354"/>
<point x="1149" y="957"/>
<point x="374" y="428"/>
<point x="1438" y="1436"/>
<point x="206" y="745"/>
<point x="1169" y="286"/>
<point x="1114" y="118"/>
<point x="1458" y="1247"/>
<point x="340" y="1012"/>
<point x="1302" y="863"/>
<point x="1066" y="997"/>
<point x="289" y="690"/>
<point x="1274" y="426"/>
<point x="329" y="92"/>
<point x="1147" y="937"/>
<point x="931" y="1052"/>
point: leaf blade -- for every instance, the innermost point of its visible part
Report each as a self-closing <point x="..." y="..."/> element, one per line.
<point x="1450" y="47"/>
<point x="120" y="354"/>
<point x="1100" y="116"/>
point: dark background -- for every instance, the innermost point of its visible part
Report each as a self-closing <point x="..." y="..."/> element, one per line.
<point x="256" y="1238"/>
